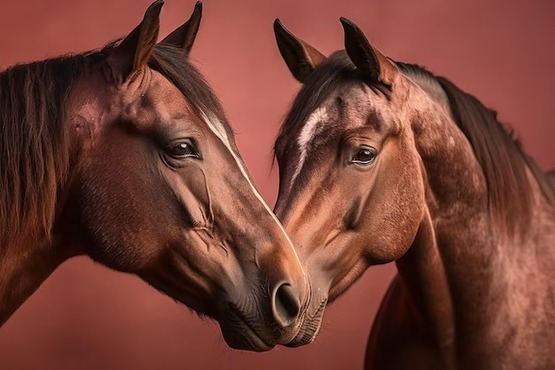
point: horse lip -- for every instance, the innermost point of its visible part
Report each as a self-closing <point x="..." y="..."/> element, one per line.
<point x="251" y="342"/>
<point x="310" y="326"/>
<point x="266" y="346"/>
<point x="301" y="339"/>
<point x="246" y="337"/>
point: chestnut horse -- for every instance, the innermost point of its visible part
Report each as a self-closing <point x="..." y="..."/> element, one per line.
<point x="383" y="161"/>
<point x="125" y="155"/>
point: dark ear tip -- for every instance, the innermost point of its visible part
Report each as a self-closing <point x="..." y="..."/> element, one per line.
<point x="157" y="3"/>
<point x="279" y="29"/>
<point x="198" y="6"/>
<point x="155" y="7"/>
<point x="347" y="23"/>
<point x="277" y="24"/>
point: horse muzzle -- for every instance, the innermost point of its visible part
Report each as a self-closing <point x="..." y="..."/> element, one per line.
<point x="311" y="323"/>
<point x="255" y="331"/>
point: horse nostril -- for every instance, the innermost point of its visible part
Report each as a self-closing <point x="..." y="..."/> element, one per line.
<point x="285" y="305"/>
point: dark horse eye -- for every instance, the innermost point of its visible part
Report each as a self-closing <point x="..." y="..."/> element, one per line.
<point x="364" y="156"/>
<point x="182" y="149"/>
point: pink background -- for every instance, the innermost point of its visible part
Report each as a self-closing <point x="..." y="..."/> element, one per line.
<point x="88" y="317"/>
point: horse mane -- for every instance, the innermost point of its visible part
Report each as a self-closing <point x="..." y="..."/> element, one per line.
<point x="34" y="155"/>
<point x="498" y="152"/>
<point x="34" y="142"/>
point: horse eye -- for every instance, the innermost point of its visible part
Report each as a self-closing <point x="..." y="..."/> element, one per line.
<point x="182" y="149"/>
<point x="364" y="156"/>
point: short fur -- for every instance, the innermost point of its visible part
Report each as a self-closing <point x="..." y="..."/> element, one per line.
<point x="125" y="155"/>
<point x="424" y="175"/>
<point x="500" y="155"/>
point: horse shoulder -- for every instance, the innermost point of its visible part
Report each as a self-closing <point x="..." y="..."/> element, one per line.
<point x="398" y="338"/>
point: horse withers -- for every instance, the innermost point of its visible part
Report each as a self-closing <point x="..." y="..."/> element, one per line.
<point x="125" y="154"/>
<point x="381" y="161"/>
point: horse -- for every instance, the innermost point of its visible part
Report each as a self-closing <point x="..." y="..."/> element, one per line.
<point x="382" y="161"/>
<point x="124" y="154"/>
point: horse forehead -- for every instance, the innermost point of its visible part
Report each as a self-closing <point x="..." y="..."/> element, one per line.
<point x="361" y="106"/>
<point x="160" y="102"/>
<point x="164" y="97"/>
<point x="171" y="101"/>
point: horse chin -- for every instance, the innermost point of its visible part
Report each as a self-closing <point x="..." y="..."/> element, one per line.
<point x="310" y="327"/>
<point x="239" y="334"/>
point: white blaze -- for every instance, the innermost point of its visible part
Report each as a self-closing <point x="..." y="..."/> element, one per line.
<point x="218" y="129"/>
<point x="307" y="134"/>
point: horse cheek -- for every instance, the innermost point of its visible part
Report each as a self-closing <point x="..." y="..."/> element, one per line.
<point x="396" y="212"/>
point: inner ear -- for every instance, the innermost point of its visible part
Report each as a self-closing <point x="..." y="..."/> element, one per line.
<point x="132" y="54"/>
<point x="184" y="36"/>
<point x="300" y="57"/>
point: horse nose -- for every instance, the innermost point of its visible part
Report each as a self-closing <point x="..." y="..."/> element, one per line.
<point x="286" y="304"/>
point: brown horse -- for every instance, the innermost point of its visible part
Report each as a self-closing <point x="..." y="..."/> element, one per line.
<point x="125" y="154"/>
<point x="383" y="161"/>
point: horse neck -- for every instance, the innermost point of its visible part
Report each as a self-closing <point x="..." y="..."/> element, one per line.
<point x="437" y="268"/>
<point x="24" y="265"/>
<point x="29" y="256"/>
<point x="459" y="259"/>
<point x="31" y="250"/>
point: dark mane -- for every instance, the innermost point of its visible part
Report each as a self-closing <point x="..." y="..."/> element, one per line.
<point x="33" y="142"/>
<point x="500" y="155"/>
<point x="34" y="153"/>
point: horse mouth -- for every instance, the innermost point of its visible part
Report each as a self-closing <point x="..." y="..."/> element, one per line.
<point x="239" y="333"/>
<point x="310" y="326"/>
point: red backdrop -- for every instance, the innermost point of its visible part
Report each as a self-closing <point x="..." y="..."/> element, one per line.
<point x="88" y="317"/>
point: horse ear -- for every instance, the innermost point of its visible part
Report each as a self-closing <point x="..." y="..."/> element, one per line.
<point x="184" y="36"/>
<point x="366" y="58"/>
<point x="133" y="53"/>
<point x="300" y="57"/>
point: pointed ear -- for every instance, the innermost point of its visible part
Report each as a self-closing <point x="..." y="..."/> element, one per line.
<point x="133" y="53"/>
<point x="373" y="64"/>
<point x="184" y="36"/>
<point x="300" y="57"/>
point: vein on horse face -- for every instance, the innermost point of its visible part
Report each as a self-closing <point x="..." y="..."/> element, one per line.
<point x="214" y="124"/>
<point x="306" y="136"/>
